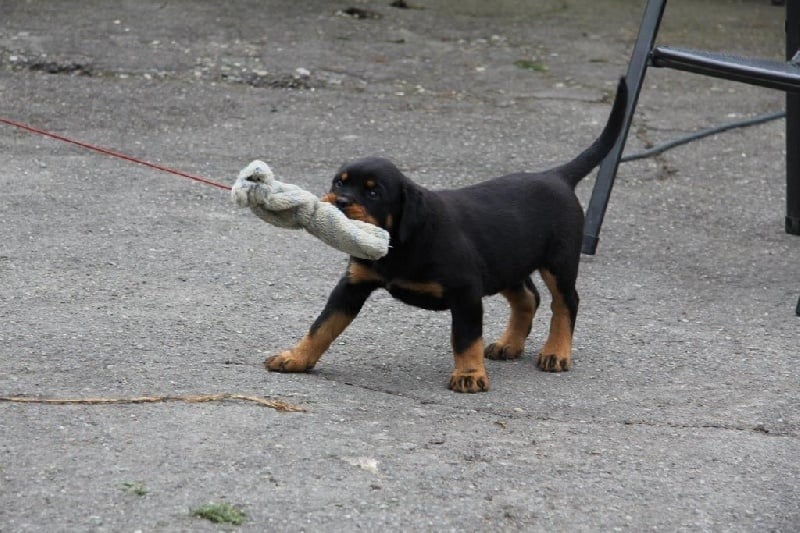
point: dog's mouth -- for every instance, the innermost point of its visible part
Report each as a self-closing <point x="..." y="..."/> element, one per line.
<point x="357" y="212"/>
<point x="351" y="209"/>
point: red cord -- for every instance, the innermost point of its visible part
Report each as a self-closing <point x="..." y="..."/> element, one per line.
<point x="112" y="153"/>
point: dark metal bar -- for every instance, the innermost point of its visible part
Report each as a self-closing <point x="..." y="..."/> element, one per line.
<point x="608" y="168"/>
<point x="792" y="126"/>
<point x="770" y="73"/>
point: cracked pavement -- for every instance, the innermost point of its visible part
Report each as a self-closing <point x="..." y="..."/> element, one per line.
<point x="681" y="411"/>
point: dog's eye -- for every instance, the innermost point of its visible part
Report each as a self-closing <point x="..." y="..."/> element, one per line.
<point x="337" y="183"/>
<point x="373" y="193"/>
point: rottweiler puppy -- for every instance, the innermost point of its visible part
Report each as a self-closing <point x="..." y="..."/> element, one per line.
<point x="451" y="248"/>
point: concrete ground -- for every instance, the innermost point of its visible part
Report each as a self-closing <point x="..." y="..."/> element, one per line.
<point x="682" y="411"/>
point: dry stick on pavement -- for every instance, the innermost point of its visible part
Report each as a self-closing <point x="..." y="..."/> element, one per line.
<point x="278" y="405"/>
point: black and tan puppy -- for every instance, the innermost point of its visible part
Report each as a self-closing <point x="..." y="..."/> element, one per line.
<point x="451" y="248"/>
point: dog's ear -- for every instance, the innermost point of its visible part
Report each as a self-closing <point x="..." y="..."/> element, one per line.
<point x="411" y="213"/>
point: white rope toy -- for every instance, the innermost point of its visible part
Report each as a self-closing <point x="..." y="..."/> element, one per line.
<point x="289" y="206"/>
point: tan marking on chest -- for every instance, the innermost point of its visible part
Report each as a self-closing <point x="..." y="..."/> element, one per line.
<point x="358" y="273"/>
<point x="430" y="288"/>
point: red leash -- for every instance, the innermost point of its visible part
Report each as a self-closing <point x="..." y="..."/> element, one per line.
<point x="112" y="153"/>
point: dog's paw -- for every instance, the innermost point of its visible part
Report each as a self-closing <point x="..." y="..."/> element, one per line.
<point x="553" y="363"/>
<point x="287" y="361"/>
<point x="469" y="381"/>
<point x="498" y="351"/>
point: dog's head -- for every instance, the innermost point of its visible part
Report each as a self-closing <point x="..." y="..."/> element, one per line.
<point x="374" y="190"/>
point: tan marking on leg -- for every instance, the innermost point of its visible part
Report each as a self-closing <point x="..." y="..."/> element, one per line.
<point x="328" y="198"/>
<point x="305" y="354"/>
<point x="555" y="354"/>
<point x="359" y="273"/>
<point x="512" y="343"/>
<point x="470" y="373"/>
<point x="426" y="287"/>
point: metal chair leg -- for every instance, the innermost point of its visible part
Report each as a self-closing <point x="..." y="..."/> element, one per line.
<point x="792" y="126"/>
<point x="608" y="168"/>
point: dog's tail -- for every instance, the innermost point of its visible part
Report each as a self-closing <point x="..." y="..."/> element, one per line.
<point x="578" y="168"/>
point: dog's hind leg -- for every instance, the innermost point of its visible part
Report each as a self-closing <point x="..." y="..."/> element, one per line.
<point x="557" y="350"/>
<point x="524" y="301"/>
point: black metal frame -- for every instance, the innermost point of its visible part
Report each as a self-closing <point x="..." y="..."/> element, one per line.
<point x="779" y="75"/>
<point x="793" y="127"/>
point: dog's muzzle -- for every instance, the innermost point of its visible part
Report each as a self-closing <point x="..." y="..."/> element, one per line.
<point x="342" y="202"/>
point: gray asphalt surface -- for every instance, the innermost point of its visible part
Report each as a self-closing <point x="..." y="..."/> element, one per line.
<point x="116" y="281"/>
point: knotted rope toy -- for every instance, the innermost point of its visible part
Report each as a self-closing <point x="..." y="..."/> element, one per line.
<point x="289" y="206"/>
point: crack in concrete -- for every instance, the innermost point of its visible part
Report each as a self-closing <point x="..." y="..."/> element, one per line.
<point x="758" y="428"/>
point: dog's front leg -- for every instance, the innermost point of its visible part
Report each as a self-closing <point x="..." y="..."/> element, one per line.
<point x="343" y="305"/>
<point x="467" y="338"/>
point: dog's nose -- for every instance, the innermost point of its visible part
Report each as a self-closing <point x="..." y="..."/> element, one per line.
<point x="343" y="201"/>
